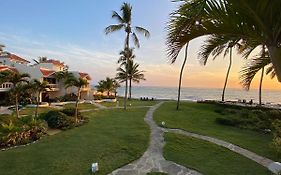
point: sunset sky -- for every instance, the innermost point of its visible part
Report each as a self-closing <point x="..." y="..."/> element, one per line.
<point x="73" y="32"/>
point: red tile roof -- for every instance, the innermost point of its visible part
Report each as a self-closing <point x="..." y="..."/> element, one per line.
<point x="16" y="58"/>
<point x="8" y="68"/>
<point x="85" y="75"/>
<point x="46" y="72"/>
<point x="55" y="62"/>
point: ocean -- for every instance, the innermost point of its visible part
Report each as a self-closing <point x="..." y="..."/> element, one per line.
<point x="194" y="94"/>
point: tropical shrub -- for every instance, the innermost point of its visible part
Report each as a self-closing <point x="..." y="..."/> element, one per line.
<point x="277" y="135"/>
<point x="71" y="112"/>
<point x="249" y="118"/>
<point x="59" y="120"/>
<point x="21" y="131"/>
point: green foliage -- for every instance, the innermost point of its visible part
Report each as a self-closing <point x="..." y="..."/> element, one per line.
<point x="247" y="118"/>
<point x="71" y="112"/>
<point x="59" y="120"/>
<point x="277" y="135"/>
<point x="8" y="127"/>
<point x="21" y="131"/>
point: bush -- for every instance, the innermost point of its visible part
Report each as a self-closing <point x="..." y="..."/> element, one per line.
<point x="277" y="136"/>
<point x="25" y="134"/>
<point x="71" y="112"/>
<point x="228" y="121"/>
<point x="59" y="120"/>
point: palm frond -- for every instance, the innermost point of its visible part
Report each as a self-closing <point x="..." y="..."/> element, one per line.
<point x="113" y="28"/>
<point x="249" y="71"/>
<point x="116" y="16"/>
<point x="136" y="40"/>
<point x="143" y="31"/>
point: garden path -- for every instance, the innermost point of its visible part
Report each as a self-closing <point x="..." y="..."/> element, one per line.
<point x="153" y="160"/>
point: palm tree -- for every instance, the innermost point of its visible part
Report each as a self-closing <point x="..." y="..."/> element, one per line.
<point x="134" y="75"/>
<point x="63" y="75"/>
<point x="38" y="87"/>
<point x="256" y="64"/>
<point x="78" y="83"/>
<point x="116" y="85"/>
<point x="18" y="80"/>
<point x="251" y="21"/>
<point x="216" y="45"/>
<point x="108" y="85"/>
<point x="125" y="23"/>
<point x="181" y="73"/>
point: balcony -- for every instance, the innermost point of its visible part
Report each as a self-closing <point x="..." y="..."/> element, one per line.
<point x="5" y="87"/>
<point x="53" y="87"/>
<point x="85" y="88"/>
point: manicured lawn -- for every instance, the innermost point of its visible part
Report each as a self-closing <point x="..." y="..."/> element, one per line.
<point x="200" y="118"/>
<point x="208" y="158"/>
<point x="112" y="138"/>
<point x="133" y="102"/>
<point x="31" y="111"/>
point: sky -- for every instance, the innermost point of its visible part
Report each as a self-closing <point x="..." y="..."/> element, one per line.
<point x="73" y="32"/>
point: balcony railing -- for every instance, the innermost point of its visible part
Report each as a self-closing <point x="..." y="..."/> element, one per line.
<point x="5" y="87"/>
<point x="53" y="87"/>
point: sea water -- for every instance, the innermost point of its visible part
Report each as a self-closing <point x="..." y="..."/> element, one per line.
<point x="194" y="94"/>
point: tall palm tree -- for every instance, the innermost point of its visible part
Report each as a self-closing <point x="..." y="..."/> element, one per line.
<point x="78" y="83"/>
<point x="181" y="73"/>
<point x="18" y="80"/>
<point x="214" y="46"/>
<point x="38" y="87"/>
<point x="256" y="64"/>
<point x="125" y="23"/>
<point x="133" y="74"/>
<point x="251" y="21"/>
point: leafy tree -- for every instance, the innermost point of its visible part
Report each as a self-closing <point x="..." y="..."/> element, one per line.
<point x="63" y="75"/>
<point x="38" y="87"/>
<point x="256" y="22"/>
<point x="254" y="65"/>
<point x="19" y="82"/>
<point x="131" y="73"/>
<point x="125" y="23"/>
<point x="216" y="45"/>
<point x="78" y="83"/>
<point x="108" y="85"/>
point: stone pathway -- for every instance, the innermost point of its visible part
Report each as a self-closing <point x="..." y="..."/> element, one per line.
<point x="5" y="110"/>
<point x="153" y="160"/>
<point x="253" y="156"/>
<point x="99" y="106"/>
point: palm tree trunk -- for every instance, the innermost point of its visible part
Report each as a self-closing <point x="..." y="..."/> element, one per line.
<point x="37" y="105"/>
<point x="275" y="53"/>
<point x="17" y="107"/>
<point x="227" y="74"/>
<point x="127" y="61"/>
<point x="130" y="89"/>
<point x="260" y="87"/>
<point x="181" y="72"/>
<point x="76" y="105"/>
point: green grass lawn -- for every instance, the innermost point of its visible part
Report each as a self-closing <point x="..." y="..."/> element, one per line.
<point x="133" y="102"/>
<point x="200" y="118"/>
<point x="112" y="138"/>
<point x="31" y="111"/>
<point x="208" y="158"/>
